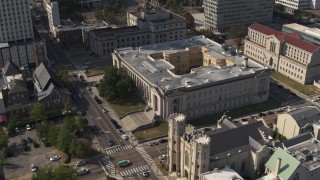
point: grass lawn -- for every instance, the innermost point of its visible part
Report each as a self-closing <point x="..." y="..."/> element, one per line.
<point x="95" y="72"/>
<point x="127" y="105"/>
<point x="235" y="113"/>
<point x="160" y="129"/>
<point x="305" y="89"/>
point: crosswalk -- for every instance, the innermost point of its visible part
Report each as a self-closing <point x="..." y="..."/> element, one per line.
<point x="109" y="165"/>
<point x="145" y="155"/>
<point x="135" y="170"/>
<point x="118" y="149"/>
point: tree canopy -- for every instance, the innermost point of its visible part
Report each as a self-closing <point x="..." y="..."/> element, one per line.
<point x="61" y="172"/>
<point x="189" y="20"/>
<point x="62" y="73"/>
<point x="236" y="32"/>
<point x="63" y="136"/>
<point x="11" y="124"/>
<point x="38" y="111"/>
<point x="116" y="84"/>
<point x="108" y="12"/>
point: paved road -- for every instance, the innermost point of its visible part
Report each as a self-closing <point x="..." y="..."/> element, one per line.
<point x="104" y="131"/>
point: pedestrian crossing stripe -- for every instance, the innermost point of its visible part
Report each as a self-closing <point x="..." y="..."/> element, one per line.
<point x="118" y="149"/>
<point x="145" y="155"/>
<point x="137" y="170"/>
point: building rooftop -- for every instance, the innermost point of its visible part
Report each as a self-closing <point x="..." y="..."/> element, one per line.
<point x="172" y="16"/>
<point x="224" y="174"/>
<point x="306" y="115"/>
<point x="67" y="25"/>
<point x="307" y="152"/>
<point x="227" y="140"/>
<point x="288" y="163"/>
<point x="109" y="32"/>
<point x="159" y="71"/>
<point x="313" y="31"/>
<point x="291" y="38"/>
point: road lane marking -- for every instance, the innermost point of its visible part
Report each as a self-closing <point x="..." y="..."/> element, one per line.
<point x="103" y="168"/>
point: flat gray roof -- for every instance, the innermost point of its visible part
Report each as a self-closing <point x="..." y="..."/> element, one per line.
<point x="158" y="70"/>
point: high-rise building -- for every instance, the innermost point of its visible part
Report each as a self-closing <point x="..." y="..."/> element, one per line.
<point x="15" y="20"/>
<point x="52" y="9"/>
<point x="221" y="15"/>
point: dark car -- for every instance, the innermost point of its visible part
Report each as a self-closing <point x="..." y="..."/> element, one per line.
<point x="163" y="140"/>
<point x="262" y="114"/>
<point x="115" y="124"/>
<point x="36" y="145"/>
<point x="30" y="140"/>
<point x="26" y="148"/>
<point x="24" y="142"/>
<point x="9" y="153"/>
<point x="280" y="86"/>
<point x="270" y="112"/>
<point x="110" y="143"/>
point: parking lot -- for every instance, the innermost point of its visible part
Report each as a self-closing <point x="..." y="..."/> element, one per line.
<point x="19" y="165"/>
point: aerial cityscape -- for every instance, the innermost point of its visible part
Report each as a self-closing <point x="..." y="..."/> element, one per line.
<point x="160" y="89"/>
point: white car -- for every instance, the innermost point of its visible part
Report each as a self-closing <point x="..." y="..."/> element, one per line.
<point x="280" y="109"/>
<point x="17" y="130"/>
<point x="55" y="158"/>
<point x="82" y="171"/>
<point x="29" y="128"/>
<point x="316" y="99"/>
<point x="80" y="96"/>
<point x="163" y="157"/>
<point x="34" y="168"/>
<point x="125" y="137"/>
<point x="104" y="110"/>
<point x="145" y="174"/>
<point x="80" y="163"/>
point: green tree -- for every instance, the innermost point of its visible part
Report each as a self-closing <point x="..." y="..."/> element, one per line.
<point x="61" y="172"/>
<point x="99" y="14"/>
<point x="207" y="33"/>
<point x="53" y="134"/>
<point x="236" y="32"/>
<point x="38" y="111"/>
<point x="64" y="139"/>
<point x="116" y="83"/>
<point x="80" y="148"/>
<point x="43" y="129"/>
<point x="189" y="20"/>
<point x="62" y="73"/>
<point x="279" y="8"/>
<point x="110" y="178"/>
<point x="12" y="123"/>
<point x="3" y="139"/>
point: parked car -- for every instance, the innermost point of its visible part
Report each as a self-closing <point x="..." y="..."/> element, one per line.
<point x="153" y="143"/>
<point x="104" y="110"/>
<point x="163" y="140"/>
<point x="88" y="87"/>
<point x="26" y="148"/>
<point x="34" y="168"/>
<point x="30" y="140"/>
<point x="29" y="128"/>
<point x="80" y="163"/>
<point x="145" y="174"/>
<point x="125" y="137"/>
<point x="115" y="124"/>
<point x="55" y="158"/>
<point x="24" y="142"/>
<point x="82" y="171"/>
<point x="262" y="114"/>
<point x="163" y="157"/>
<point x="36" y="145"/>
<point x="316" y="99"/>
<point x="110" y="142"/>
<point x="120" y="131"/>
<point x="17" y="130"/>
<point x="280" y="110"/>
<point x="80" y="96"/>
